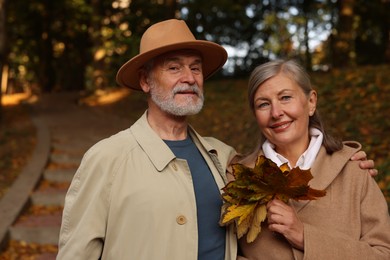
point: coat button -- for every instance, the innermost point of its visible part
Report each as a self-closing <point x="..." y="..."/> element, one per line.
<point x="181" y="220"/>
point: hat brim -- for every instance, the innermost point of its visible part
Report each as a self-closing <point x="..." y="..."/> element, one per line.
<point x="214" y="57"/>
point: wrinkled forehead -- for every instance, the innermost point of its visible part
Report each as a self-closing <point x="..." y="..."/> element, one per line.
<point x="192" y="55"/>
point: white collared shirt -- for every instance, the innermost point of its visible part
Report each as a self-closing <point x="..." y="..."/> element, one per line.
<point x="306" y="160"/>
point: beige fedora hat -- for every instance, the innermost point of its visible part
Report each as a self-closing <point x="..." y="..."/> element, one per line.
<point x="168" y="36"/>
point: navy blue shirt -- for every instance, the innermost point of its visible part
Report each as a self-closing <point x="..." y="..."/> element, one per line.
<point x="211" y="236"/>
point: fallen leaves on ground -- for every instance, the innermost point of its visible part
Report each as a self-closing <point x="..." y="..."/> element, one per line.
<point x="39" y="210"/>
<point x="28" y="251"/>
<point x="17" y="141"/>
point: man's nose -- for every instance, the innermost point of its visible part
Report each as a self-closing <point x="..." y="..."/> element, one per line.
<point x="188" y="75"/>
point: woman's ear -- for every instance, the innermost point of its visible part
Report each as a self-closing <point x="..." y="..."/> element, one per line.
<point x="312" y="102"/>
<point x="144" y="81"/>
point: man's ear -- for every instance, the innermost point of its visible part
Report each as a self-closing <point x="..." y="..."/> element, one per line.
<point x="144" y="81"/>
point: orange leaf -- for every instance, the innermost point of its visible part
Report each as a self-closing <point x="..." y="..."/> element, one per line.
<point x="246" y="197"/>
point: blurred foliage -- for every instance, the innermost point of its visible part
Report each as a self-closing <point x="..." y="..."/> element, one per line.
<point x="352" y="102"/>
<point x="80" y="44"/>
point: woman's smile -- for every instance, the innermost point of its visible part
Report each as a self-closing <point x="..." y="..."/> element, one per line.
<point x="281" y="126"/>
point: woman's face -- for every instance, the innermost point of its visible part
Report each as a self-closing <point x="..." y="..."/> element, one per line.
<point x="282" y="112"/>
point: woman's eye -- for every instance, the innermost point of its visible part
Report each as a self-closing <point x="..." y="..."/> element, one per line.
<point x="262" y="105"/>
<point x="286" y="98"/>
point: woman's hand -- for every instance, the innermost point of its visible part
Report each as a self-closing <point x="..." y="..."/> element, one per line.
<point x="283" y="219"/>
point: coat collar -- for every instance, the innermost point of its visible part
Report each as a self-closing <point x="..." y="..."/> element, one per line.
<point x="155" y="148"/>
<point x="327" y="167"/>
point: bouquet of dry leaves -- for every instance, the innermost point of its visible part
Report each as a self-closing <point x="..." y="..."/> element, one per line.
<point x="247" y="196"/>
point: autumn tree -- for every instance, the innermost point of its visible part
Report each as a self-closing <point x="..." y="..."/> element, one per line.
<point x="3" y="52"/>
<point x="372" y="40"/>
<point x="343" y="39"/>
<point x="76" y="45"/>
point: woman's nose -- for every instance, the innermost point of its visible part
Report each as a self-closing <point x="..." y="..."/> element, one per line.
<point x="277" y="111"/>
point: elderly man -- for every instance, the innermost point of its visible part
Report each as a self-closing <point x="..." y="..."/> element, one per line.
<point x="153" y="191"/>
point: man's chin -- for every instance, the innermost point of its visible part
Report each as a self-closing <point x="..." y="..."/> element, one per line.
<point x="184" y="111"/>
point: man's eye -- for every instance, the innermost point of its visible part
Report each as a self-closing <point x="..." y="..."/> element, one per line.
<point x="196" y="69"/>
<point x="174" y="68"/>
<point x="286" y="98"/>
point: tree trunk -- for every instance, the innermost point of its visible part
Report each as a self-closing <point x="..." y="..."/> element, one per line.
<point x="99" y="79"/>
<point x="170" y="8"/>
<point x="386" y="35"/>
<point x="306" y="11"/>
<point x="3" y="49"/>
<point x="46" y="71"/>
<point x="343" y="40"/>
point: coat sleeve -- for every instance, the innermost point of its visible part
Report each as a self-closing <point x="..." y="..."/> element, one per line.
<point x="374" y="242"/>
<point x="86" y="209"/>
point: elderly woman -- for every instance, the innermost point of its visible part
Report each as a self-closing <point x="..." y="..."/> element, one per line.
<point x="352" y="220"/>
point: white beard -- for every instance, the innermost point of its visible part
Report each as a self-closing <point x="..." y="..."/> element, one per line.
<point x="167" y="101"/>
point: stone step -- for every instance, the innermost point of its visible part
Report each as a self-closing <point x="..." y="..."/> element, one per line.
<point x="65" y="159"/>
<point x="79" y="145"/>
<point x="39" y="235"/>
<point x="48" y="198"/>
<point x="46" y="256"/>
<point x="71" y="148"/>
<point x="59" y="175"/>
<point x="40" y="229"/>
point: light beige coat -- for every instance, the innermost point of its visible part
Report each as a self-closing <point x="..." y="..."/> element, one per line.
<point x="350" y="223"/>
<point x="131" y="198"/>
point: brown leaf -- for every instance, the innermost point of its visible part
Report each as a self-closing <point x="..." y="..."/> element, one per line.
<point x="246" y="197"/>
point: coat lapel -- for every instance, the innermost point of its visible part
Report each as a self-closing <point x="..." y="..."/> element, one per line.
<point x="325" y="169"/>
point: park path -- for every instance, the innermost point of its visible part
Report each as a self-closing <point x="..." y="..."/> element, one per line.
<point x="65" y="131"/>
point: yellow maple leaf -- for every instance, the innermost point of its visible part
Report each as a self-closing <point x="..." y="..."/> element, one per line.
<point x="259" y="216"/>
<point x="239" y="212"/>
<point x="246" y="197"/>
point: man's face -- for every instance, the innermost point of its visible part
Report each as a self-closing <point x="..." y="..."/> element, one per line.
<point x="176" y="83"/>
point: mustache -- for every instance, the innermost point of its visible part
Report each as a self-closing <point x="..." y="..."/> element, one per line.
<point x="186" y="88"/>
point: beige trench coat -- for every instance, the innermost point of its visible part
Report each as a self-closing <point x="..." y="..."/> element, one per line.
<point x="350" y="222"/>
<point x="132" y="199"/>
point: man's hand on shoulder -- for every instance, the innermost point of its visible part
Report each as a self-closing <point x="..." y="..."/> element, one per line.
<point x="364" y="163"/>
